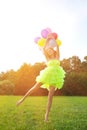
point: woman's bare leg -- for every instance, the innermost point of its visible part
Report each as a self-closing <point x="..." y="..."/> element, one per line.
<point x="30" y="91"/>
<point x="50" y="97"/>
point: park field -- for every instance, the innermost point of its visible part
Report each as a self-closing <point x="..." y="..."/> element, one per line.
<point x="67" y="113"/>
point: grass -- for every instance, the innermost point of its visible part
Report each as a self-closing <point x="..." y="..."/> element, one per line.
<point x="67" y="113"/>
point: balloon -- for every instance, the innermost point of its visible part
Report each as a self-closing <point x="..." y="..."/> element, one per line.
<point x="49" y="30"/>
<point x="41" y="42"/>
<point x="58" y="42"/>
<point x="36" y="39"/>
<point x="53" y="35"/>
<point x="44" y="33"/>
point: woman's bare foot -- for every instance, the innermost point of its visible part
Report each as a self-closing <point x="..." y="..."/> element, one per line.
<point x="46" y="118"/>
<point x="19" y="102"/>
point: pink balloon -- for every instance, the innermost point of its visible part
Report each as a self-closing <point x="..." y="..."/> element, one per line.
<point x="44" y="33"/>
<point x="49" y="30"/>
<point x="36" y="39"/>
<point x="53" y="35"/>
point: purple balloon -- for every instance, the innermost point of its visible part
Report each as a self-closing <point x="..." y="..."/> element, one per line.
<point x="36" y="39"/>
<point x="44" y="33"/>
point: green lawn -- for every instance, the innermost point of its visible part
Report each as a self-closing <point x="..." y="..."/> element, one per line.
<point x="67" y="113"/>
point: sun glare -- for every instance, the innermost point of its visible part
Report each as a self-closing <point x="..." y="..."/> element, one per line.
<point x="22" y="21"/>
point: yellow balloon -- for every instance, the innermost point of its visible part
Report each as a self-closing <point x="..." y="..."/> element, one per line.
<point x="58" y="42"/>
<point x="41" y="42"/>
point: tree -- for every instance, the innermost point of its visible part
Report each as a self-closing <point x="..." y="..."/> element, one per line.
<point x="75" y="84"/>
<point x="84" y="64"/>
<point x="75" y="63"/>
<point x="85" y="58"/>
<point x="6" y="87"/>
<point x="26" y="77"/>
<point x="65" y="63"/>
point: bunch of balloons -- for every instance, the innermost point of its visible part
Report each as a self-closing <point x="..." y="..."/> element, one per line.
<point x="46" y="33"/>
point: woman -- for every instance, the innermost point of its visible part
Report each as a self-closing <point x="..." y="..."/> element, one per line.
<point x="52" y="77"/>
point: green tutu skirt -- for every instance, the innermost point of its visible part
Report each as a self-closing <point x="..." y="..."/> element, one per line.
<point x="52" y="75"/>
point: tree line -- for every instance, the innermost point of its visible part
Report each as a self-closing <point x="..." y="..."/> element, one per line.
<point x="18" y="82"/>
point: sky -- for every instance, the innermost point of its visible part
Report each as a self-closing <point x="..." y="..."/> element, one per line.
<point x="22" y="20"/>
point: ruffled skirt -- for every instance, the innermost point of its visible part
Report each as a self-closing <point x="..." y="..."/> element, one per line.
<point x="52" y="75"/>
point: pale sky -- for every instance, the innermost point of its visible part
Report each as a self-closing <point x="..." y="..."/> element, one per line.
<point x="22" y="20"/>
